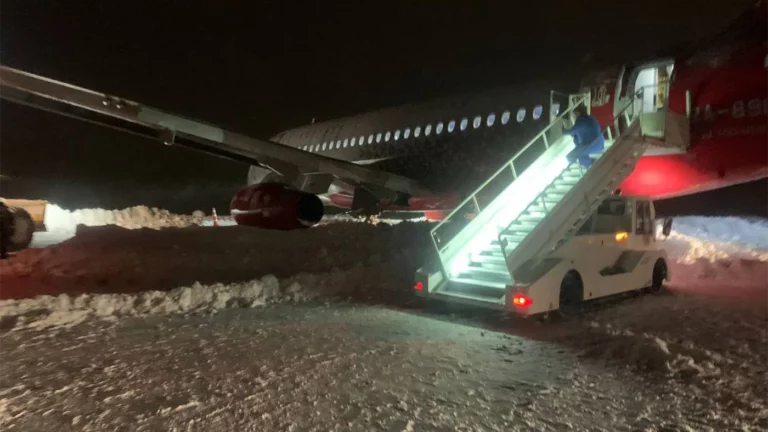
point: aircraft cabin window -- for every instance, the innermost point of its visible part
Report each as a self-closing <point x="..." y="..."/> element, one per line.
<point x="463" y="124"/>
<point x="417" y="132"/>
<point x="521" y="114"/>
<point x="361" y="141"/>
<point x="387" y="136"/>
<point x="370" y="138"/>
<point x="352" y="142"/>
<point x="397" y="134"/>
<point x="324" y="145"/>
<point x="477" y="121"/>
<point x="338" y="143"/>
<point x="439" y="128"/>
<point x="451" y="126"/>
<point x="346" y="142"/>
<point x="505" y="117"/>
<point x="378" y="137"/>
<point x="537" y="110"/>
<point x="427" y="130"/>
<point x="490" y="120"/>
<point x="406" y="133"/>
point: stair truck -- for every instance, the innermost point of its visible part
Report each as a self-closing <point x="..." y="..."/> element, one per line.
<point x="558" y="233"/>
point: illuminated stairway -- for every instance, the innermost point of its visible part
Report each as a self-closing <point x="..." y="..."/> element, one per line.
<point x="535" y="212"/>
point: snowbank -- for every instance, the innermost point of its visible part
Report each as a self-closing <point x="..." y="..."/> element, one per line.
<point x="67" y="310"/>
<point x="332" y="259"/>
<point x="748" y="232"/>
<point x="718" y="255"/>
<point x="61" y="220"/>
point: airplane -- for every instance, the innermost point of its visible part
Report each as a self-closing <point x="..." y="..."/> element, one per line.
<point x="705" y="103"/>
<point x="711" y="96"/>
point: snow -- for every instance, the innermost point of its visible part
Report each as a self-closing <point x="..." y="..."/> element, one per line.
<point x="337" y="367"/>
<point x="204" y="269"/>
<point x="691" y="358"/>
<point x="58" y="219"/>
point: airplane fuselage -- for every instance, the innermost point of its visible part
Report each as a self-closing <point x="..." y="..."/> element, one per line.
<point x="713" y="102"/>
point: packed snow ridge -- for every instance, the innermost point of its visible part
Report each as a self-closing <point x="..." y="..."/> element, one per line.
<point x="107" y="270"/>
<point x="58" y="219"/>
<point x="65" y="310"/>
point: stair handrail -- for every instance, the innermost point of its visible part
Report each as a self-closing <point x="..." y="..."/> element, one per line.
<point x="583" y="100"/>
<point x="539" y="198"/>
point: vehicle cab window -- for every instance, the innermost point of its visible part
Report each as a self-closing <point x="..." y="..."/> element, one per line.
<point x="611" y="216"/>
<point x="643" y="222"/>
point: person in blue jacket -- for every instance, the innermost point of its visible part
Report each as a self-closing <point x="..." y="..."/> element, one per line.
<point x="587" y="135"/>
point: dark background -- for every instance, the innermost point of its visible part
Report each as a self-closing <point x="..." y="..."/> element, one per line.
<point x="259" y="67"/>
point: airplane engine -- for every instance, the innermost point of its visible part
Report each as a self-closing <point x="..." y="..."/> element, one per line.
<point x="276" y="206"/>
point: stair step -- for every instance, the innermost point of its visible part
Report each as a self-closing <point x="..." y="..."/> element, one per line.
<point x="468" y="290"/>
<point x="516" y="232"/>
<point x="496" y="259"/>
<point x="560" y="187"/>
<point x="565" y="183"/>
<point x="490" y="260"/>
<point x="524" y="223"/>
<point x="510" y="244"/>
<point x="530" y="218"/>
<point x="483" y="280"/>
<point x="534" y="212"/>
<point x="514" y="235"/>
<point x="489" y="266"/>
<point x="552" y="198"/>
<point x="568" y="177"/>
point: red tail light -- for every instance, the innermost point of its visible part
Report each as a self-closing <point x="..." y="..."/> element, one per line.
<point x="521" y="300"/>
<point x="419" y="286"/>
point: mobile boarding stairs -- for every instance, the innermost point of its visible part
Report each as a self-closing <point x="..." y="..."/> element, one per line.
<point x="539" y="207"/>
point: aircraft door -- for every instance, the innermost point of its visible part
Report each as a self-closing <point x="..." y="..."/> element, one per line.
<point x="648" y="93"/>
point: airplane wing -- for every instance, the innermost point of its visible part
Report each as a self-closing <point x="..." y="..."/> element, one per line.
<point x="295" y="165"/>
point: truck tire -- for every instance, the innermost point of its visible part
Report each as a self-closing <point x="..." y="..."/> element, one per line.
<point x="21" y="229"/>
<point x="571" y="293"/>
<point x="659" y="275"/>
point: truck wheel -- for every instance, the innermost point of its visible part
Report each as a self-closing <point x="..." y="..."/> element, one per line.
<point x="571" y="293"/>
<point x="659" y="275"/>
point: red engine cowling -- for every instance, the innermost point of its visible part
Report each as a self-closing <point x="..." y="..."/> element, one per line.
<point x="276" y="206"/>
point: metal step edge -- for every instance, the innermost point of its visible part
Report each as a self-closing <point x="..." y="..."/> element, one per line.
<point x="471" y="300"/>
<point x="499" y="285"/>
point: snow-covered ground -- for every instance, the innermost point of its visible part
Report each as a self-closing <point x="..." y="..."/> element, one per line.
<point x="179" y="327"/>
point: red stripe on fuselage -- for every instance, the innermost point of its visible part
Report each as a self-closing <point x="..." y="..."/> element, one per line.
<point x="709" y="165"/>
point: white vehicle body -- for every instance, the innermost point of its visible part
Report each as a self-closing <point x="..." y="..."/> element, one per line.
<point x="616" y="250"/>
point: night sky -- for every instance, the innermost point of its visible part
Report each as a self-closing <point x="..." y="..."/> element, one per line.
<point x="259" y="67"/>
